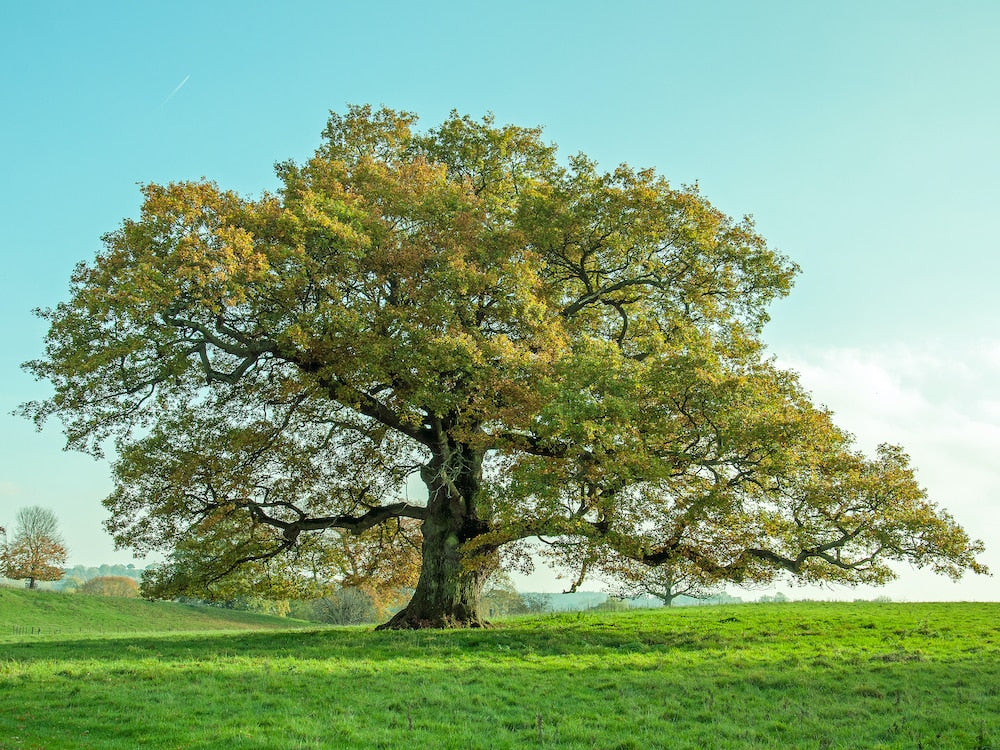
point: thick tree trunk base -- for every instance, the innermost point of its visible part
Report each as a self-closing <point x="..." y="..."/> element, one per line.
<point x="406" y="620"/>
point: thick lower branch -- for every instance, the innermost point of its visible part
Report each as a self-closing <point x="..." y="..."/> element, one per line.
<point x="354" y="524"/>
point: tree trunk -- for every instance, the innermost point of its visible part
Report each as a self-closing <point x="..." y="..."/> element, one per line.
<point x="451" y="579"/>
<point x="448" y="592"/>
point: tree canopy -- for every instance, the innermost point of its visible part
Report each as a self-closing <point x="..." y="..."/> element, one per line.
<point x="553" y="351"/>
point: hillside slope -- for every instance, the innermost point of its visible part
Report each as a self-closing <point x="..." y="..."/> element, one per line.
<point x="43" y="613"/>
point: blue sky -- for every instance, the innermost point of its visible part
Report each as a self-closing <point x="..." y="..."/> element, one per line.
<point x="862" y="136"/>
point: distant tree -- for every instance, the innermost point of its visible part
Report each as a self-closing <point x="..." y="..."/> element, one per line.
<point x="612" y="604"/>
<point x="722" y="597"/>
<point x="535" y="603"/>
<point x="665" y="582"/>
<point x="500" y="597"/>
<point x="107" y="569"/>
<point x="36" y="552"/>
<point x="778" y="598"/>
<point x="85" y="573"/>
<point x="110" y="586"/>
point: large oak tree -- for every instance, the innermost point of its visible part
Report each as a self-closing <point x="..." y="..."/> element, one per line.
<point x="555" y="351"/>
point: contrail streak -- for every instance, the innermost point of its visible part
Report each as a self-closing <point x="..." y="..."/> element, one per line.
<point x="177" y="88"/>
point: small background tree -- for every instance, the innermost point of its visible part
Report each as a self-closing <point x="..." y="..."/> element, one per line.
<point x="666" y="583"/>
<point x="36" y="552"/>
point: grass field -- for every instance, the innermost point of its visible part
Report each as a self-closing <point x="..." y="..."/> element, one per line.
<point x="803" y="675"/>
<point x="49" y="614"/>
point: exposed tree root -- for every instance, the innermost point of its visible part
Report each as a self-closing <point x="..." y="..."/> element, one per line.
<point x="404" y="620"/>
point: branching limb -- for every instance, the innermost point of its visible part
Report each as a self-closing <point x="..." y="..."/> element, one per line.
<point x="354" y="524"/>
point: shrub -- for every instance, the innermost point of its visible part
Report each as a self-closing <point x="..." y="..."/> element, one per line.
<point x="110" y="586"/>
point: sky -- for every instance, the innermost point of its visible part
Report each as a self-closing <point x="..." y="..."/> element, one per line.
<point x="863" y="137"/>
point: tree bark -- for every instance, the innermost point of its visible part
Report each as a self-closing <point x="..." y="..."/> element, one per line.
<point x="451" y="579"/>
<point x="448" y="592"/>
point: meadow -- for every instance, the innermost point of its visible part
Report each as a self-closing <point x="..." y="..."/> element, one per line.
<point x="796" y="675"/>
<point x="30" y="613"/>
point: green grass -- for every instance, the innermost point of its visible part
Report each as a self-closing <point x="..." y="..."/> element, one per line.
<point x="803" y="675"/>
<point x="48" y="614"/>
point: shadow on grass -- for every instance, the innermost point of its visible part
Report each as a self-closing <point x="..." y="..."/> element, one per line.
<point x="555" y="635"/>
<point x="890" y="632"/>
